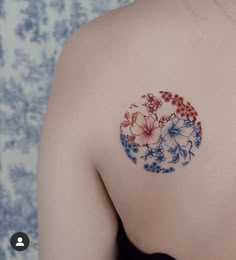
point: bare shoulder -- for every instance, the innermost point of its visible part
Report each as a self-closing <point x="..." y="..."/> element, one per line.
<point x="106" y="25"/>
<point x="96" y="41"/>
<point x="115" y="30"/>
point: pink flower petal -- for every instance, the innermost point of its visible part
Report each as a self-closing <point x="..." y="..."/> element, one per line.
<point x="140" y="120"/>
<point x="131" y="138"/>
<point x="142" y="139"/>
<point x="127" y="115"/>
<point x="136" y="130"/>
<point x="154" y="137"/>
<point x="125" y="123"/>
<point x="133" y="117"/>
<point x="150" y="120"/>
<point x="156" y="124"/>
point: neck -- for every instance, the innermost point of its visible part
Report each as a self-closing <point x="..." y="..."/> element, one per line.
<point x="201" y="8"/>
<point x="207" y="8"/>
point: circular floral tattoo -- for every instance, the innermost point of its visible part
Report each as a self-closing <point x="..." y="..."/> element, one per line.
<point x="161" y="132"/>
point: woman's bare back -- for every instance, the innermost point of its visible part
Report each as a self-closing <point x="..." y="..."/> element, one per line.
<point x="146" y="47"/>
<point x="189" y="213"/>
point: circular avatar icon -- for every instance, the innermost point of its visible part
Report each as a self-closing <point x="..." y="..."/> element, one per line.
<point x="19" y="241"/>
<point x="161" y="132"/>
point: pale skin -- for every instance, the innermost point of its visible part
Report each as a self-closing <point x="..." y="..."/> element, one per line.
<point x="84" y="177"/>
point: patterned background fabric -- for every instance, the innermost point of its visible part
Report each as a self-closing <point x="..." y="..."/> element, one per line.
<point x="32" y="35"/>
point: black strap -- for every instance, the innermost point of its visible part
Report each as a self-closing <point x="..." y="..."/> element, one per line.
<point x="128" y="251"/>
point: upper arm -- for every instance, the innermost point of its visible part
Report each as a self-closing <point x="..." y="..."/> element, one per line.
<point x="76" y="217"/>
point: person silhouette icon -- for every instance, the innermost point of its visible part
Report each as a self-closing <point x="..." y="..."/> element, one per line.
<point x="19" y="242"/>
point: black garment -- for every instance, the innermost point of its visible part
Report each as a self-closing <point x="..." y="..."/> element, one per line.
<point x="128" y="251"/>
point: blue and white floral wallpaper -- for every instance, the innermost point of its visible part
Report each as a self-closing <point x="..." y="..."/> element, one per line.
<point x="32" y="35"/>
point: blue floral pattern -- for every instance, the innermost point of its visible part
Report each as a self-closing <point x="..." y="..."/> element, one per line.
<point x="32" y="36"/>
<point x="177" y="138"/>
